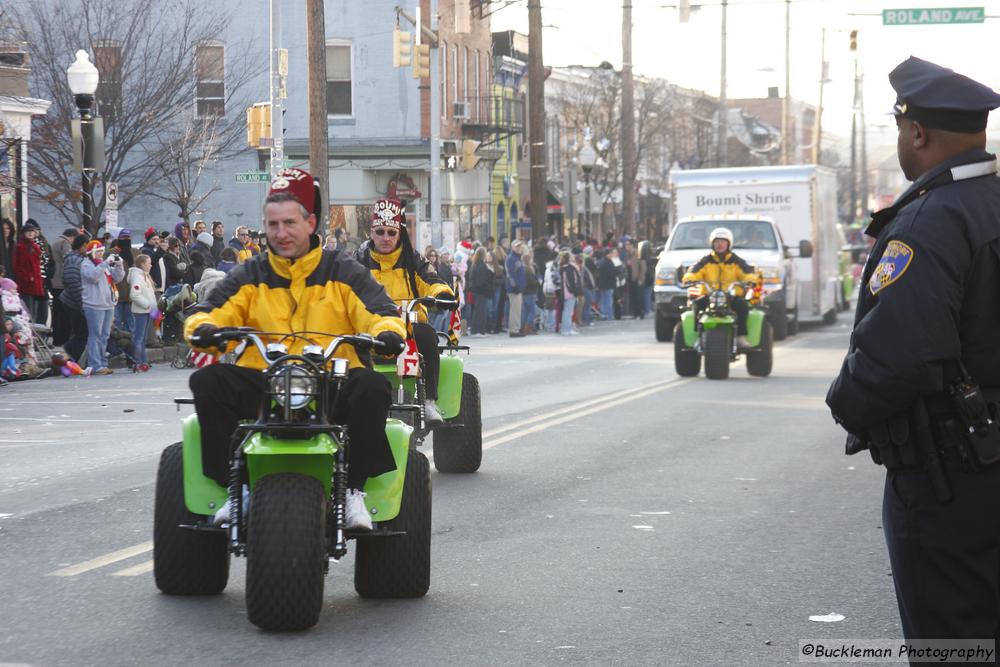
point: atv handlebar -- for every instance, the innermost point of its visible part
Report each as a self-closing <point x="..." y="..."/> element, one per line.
<point x="446" y="304"/>
<point x="360" y="342"/>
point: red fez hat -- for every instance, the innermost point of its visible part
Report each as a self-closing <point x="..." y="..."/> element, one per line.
<point x="388" y="213"/>
<point x="299" y="184"/>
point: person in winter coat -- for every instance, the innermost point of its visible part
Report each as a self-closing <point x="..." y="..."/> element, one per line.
<point x="152" y="248"/>
<point x="123" y="311"/>
<point x="607" y="277"/>
<point x="584" y="305"/>
<point x="499" y="308"/>
<point x="480" y="285"/>
<point x="572" y="289"/>
<point x="71" y="298"/>
<point x="240" y="243"/>
<point x="516" y="284"/>
<point x="28" y="268"/>
<point x="7" y="243"/>
<point x="173" y="265"/>
<point x="142" y="293"/>
<point x="60" y="318"/>
<point x="99" y="277"/>
<point x="182" y="231"/>
<point x="201" y="259"/>
<point x="529" y="305"/>
<point x="227" y="261"/>
<point x="218" y="241"/>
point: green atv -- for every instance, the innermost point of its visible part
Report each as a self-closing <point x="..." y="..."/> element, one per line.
<point x="712" y="334"/>
<point x="458" y="442"/>
<point x="295" y="463"/>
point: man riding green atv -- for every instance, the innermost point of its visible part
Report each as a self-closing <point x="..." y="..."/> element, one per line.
<point x="447" y="398"/>
<point x="291" y="451"/>
<point x="720" y="323"/>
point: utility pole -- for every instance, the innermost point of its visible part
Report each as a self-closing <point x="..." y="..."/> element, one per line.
<point x="629" y="167"/>
<point x="854" y="129"/>
<point x="818" y="137"/>
<point x="536" y="121"/>
<point x="786" y="102"/>
<point x="436" y="226"/>
<point x="319" y="161"/>
<point x="278" y="65"/>
<point x="722" y="128"/>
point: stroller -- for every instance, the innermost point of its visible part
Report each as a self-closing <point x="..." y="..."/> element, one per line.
<point x="120" y="343"/>
<point x="35" y="352"/>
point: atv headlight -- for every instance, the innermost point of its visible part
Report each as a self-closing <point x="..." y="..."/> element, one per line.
<point x="293" y="386"/>
<point x="718" y="299"/>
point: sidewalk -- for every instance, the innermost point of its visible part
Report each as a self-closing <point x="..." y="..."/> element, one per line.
<point x="157" y="355"/>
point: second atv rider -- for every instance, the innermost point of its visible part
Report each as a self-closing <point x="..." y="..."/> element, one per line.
<point x="720" y="269"/>
<point x="405" y="274"/>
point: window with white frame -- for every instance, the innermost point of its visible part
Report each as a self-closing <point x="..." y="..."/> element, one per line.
<point x="465" y="81"/>
<point x="210" y="79"/>
<point x="479" y="85"/>
<point x="454" y="74"/>
<point x="339" y="89"/>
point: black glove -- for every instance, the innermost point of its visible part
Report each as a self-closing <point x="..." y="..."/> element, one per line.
<point x="447" y="304"/>
<point x="203" y="336"/>
<point x="393" y="342"/>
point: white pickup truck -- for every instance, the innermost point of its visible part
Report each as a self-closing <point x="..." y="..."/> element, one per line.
<point x="757" y="240"/>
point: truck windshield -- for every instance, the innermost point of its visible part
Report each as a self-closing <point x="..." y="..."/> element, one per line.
<point x="749" y="234"/>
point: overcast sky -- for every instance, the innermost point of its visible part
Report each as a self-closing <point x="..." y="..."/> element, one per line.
<point x="585" y="32"/>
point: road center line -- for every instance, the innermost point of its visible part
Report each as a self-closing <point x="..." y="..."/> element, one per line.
<point x="135" y="570"/>
<point x="578" y="406"/>
<point x="101" y="561"/>
<point x="577" y="413"/>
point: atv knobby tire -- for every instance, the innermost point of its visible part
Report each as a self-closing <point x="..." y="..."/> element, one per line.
<point x="717" y="353"/>
<point x="459" y="449"/>
<point x="286" y="552"/>
<point x="663" y="326"/>
<point x="185" y="562"/>
<point x="687" y="361"/>
<point x="400" y="566"/>
<point x="759" y="361"/>
<point x="778" y="316"/>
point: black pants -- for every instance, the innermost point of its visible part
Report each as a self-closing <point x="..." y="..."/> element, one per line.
<point x="77" y="341"/>
<point x="60" y="320"/>
<point x="945" y="557"/>
<point x="225" y="394"/>
<point x="739" y="306"/>
<point x="427" y="345"/>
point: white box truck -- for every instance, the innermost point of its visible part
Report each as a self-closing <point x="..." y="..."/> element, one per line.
<point x="802" y="200"/>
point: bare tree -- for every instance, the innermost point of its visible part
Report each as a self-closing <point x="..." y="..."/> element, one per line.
<point x="147" y="49"/>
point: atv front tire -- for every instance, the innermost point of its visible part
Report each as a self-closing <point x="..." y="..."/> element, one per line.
<point x="459" y="449"/>
<point x="185" y="562"/>
<point x="286" y="552"/>
<point x="717" y="355"/>
<point x="399" y="566"/>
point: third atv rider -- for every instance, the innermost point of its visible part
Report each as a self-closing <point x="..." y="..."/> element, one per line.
<point x="720" y="269"/>
<point x="405" y="274"/>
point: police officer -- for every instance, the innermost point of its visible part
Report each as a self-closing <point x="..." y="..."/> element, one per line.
<point x="928" y="319"/>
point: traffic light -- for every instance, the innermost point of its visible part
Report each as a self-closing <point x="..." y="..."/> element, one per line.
<point x="854" y="40"/>
<point x="469" y="157"/>
<point x="422" y="61"/>
<point x="401" y="48"/>
<point x="258" y="124"/>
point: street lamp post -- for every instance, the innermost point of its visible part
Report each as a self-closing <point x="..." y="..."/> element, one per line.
<point x="588" y="156"/>
<point x="83" y="79"/>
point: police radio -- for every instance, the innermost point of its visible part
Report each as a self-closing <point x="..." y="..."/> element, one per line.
<point x="978" y="417"/>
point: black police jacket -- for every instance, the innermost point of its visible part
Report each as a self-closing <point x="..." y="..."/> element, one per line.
<point x="930" y="294"/>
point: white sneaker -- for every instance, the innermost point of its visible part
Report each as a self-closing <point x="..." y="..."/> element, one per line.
<point x="222" y="516"/>
<point x="357" y="514"/>
<point x="432" y="416"/>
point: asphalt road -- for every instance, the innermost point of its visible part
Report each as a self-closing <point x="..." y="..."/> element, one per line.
<point x="621" y="516"/>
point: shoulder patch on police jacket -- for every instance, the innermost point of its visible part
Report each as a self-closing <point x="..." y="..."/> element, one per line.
<point x="895" y="260"/>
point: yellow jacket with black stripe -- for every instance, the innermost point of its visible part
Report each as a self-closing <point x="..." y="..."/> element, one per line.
<point x="402" y="282"/>
<point x="721" y="272"/>
<point x="325" y="291"/>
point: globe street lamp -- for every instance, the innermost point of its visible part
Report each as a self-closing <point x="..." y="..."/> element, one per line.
<point x="88" y="132"/>
<point x="588" y="157"/>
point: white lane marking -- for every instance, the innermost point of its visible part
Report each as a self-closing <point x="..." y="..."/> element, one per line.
<point x="101" y="561"/>
<point x="135" y="570"/>
<point x="576" y="407"/>
<point x="77" y="421"/>
<point x="577" y="414"/>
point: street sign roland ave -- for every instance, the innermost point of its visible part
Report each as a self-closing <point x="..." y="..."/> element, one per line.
<point x="253" y="177"/>
<point x="933" y="16"/>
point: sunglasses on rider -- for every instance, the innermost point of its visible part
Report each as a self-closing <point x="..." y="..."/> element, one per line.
<point x="386" y="232"/>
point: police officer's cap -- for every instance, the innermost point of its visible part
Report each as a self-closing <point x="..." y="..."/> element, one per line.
<point x="938" y="97"/>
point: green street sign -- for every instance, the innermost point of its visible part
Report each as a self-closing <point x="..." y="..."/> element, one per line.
<point x="253" y="177"/>
<point x="933" y="16"/>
